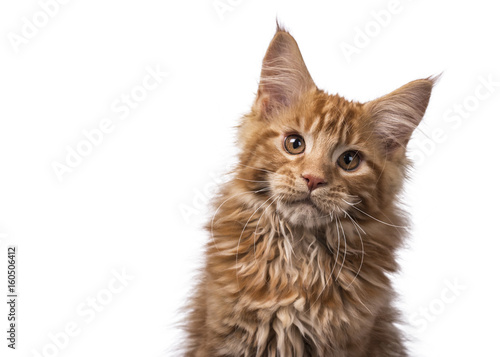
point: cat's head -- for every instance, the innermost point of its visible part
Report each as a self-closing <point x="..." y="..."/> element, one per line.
<point x="315" y="156"/>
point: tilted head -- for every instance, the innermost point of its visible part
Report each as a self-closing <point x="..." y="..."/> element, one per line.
<point x="318" y="156"/>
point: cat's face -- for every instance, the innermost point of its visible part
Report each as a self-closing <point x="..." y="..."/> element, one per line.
<point x="319" y="160"/>
<point x="324" y="161"/>
<point x="315" y="157"/>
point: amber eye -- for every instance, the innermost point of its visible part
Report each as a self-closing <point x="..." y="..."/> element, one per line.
<point x="349" y="160"/>
<point x="294" y="144"/>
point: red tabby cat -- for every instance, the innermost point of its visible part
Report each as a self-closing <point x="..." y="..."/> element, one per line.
<point x="304" y="235"/>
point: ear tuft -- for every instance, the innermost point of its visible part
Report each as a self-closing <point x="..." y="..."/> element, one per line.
<point x="397" y="114"/>
<point x="284" y="76"/>
<point x="280" y="27"/>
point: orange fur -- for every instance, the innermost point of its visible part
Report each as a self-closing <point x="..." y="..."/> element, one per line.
<point x="293" y="272"/>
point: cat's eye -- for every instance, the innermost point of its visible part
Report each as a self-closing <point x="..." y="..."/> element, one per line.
<point x="349" y="160"/>
<point x="294" y="144"/>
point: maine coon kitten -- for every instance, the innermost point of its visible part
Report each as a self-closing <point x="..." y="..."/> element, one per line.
<point x="305" y="233"/>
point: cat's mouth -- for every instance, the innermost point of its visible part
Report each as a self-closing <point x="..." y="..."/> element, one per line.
<point x="302" y="211"/>
<point x="305" y="201"/>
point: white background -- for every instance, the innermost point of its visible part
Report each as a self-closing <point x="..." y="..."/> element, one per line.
<point x="137" y="201"/>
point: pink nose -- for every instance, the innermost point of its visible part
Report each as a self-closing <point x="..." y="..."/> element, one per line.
<point x="313" y="182"/>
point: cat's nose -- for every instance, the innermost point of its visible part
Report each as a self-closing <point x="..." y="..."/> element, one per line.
<point x="313" y="182"/>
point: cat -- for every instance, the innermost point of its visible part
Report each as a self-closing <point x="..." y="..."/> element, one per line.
<point x="304" y="235"/>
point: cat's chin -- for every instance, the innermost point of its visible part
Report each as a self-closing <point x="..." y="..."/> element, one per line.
<point x="302" y="213"/>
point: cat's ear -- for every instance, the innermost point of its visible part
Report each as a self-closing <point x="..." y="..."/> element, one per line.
<point x="284" y="76"/>
<point x="397" y="114"/>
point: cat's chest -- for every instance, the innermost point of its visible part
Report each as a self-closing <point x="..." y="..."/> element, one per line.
<point x="304" y="284"/>
<point x="303" y="319"/>
<point x="291" y="296"/>
<point x="308" y="269"/>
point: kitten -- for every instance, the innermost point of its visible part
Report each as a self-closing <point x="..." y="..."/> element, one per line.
<point x="304" y="235"/>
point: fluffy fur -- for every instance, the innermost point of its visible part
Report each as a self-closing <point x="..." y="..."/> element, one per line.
<point x="294" y="272"/>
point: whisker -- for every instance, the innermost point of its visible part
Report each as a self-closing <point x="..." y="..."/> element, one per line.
<point x="355" y="196"/>
<point x="256" y="168"/>
<point x="242" y="179"/>
<point x="333" y="268"/>
<point x="376" y="219"/>
<point x="345" y="250"/>
<point x="356" y="225"/>
<point x="218" y="208"/>
<point x="338" y="242"/>
<point x="243" y="230"/>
